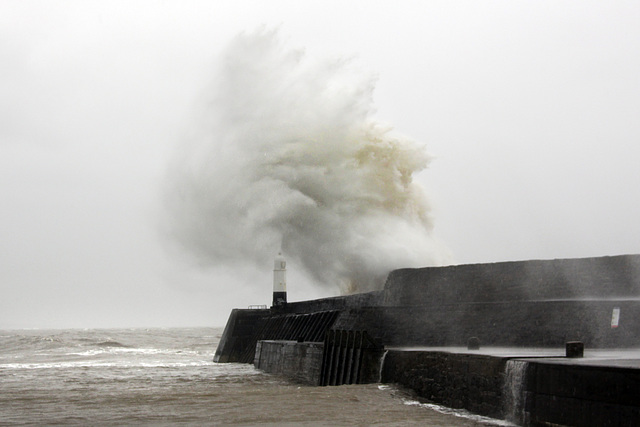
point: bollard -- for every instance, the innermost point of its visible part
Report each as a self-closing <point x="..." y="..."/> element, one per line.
<point x="473" y="343"/>
<point x="574" y="349"/>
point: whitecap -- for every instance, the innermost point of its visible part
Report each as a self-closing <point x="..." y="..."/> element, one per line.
<point x="458" y="413"/>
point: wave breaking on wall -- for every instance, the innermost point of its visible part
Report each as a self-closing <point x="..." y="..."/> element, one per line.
<point x="289" y="157"/>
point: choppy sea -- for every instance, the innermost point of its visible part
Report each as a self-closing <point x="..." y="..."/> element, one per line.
<point x="167" y="377"/>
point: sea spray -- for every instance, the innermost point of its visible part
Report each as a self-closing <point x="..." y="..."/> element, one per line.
<point x="289" y="157"/>
<point x="513" y="390"/>
<point x="380" y="371"/>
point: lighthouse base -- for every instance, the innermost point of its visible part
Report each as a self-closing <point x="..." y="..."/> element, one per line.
<point x="279" y="299"/>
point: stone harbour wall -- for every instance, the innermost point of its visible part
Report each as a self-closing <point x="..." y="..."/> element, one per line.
<point x="511" y="304"/>
<point x="464" y="381"/>
<point x="299" y="362"/>
<point x="563" y="393"/>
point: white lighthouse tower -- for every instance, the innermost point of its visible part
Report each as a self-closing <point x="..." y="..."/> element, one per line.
<point x="279" y="281"/>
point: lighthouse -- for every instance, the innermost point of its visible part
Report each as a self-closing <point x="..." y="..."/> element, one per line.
<point x="279" y="281"/>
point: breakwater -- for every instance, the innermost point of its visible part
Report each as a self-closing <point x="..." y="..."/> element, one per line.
<point x="516" y="305"/>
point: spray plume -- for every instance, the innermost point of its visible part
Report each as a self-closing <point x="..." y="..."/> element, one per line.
<point x="290" y="159"/>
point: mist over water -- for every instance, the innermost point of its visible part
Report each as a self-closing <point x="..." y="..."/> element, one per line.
<point x="288" y="156"/>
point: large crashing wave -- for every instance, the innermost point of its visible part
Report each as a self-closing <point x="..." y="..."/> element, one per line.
<point x="289" y="158"/>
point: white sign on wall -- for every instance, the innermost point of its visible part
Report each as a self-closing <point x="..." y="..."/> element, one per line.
<point x="615" y="317"/>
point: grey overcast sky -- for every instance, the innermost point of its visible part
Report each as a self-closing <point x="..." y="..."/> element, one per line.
<point x="531" y="110"/>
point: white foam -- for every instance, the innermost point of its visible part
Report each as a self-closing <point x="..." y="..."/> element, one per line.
<point x="117" y="350"/>
<point x="101" y="364"/>
<point x="458" y="413"/>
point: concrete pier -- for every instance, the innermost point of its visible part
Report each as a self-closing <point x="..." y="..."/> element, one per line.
<point x="489" y="338"/>
<point x="525" y="386"/>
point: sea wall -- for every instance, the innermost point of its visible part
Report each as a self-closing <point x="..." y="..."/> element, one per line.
<point x="538" y="392"/>
<point x="507" y="324"/>
<point x="239" y="335"/>
<point x="524" y="303"/>
<point x="515" y="304"/>
<point x="344" y="357"/>
<point x="345" y="302"/>
<point x="536" y="280"/>
<point x="566" y="393"/>
<point x="299" y="362"/>
<point x="245" y="328"/>
<point x="527" y="391"/>
<point x="472" y="382"/>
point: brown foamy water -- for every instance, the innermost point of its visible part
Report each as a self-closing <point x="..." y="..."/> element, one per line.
<point x="166" y="377"/>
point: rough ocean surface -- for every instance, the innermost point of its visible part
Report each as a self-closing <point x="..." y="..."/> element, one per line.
<point x="166" y="377"/>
